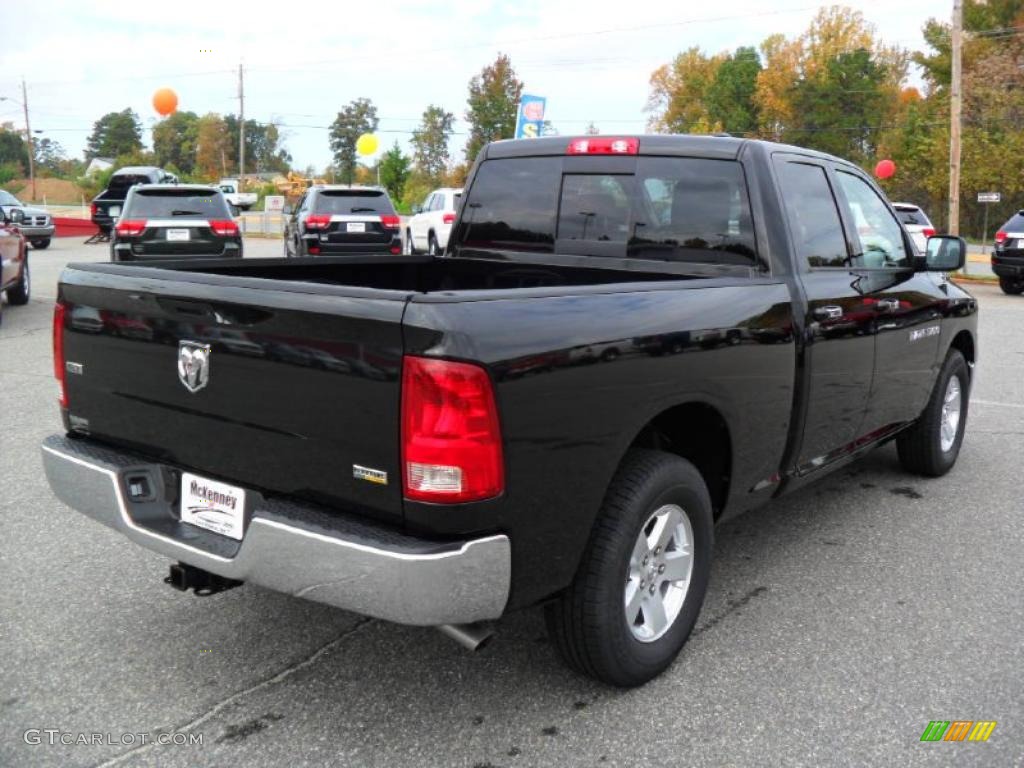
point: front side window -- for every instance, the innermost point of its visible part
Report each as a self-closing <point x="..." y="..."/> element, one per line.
<point x="880" y="235"/>
<point x="814" y="222"/>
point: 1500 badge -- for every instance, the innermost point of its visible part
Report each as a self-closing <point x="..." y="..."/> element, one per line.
<point x="921" y="333"/>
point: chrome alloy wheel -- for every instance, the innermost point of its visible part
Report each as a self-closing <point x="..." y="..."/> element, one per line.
<point x="952" y="404"/>
<point x="659" y="573"/>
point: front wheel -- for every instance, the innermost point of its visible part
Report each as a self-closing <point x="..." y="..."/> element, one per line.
<point x="931" y="446"/>
<point x="22" y="290"/>
<point x="641" y="582"/>
<point x="1012" y="286"/>
<point x="41" y="244"/>
<point x="407" y="246"/>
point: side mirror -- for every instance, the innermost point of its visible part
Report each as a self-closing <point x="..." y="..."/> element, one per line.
<point x="945" y="253"/>
<point x="416" y="208"/>
<point x="235" y="213"/>
<point x="16" y="216"/>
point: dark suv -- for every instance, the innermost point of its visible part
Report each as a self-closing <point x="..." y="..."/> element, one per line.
<point x="1008" y="256"/>
<point x="161" y="221"/>
<point x="335" y="220"/>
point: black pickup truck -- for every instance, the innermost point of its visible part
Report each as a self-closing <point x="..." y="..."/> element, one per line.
<point x="107" y="205"/>
<point x="627" y="340"/>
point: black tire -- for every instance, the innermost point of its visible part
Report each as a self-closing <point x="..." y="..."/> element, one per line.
<point x="41" y="245"/>
<point x="587" y="623"/>
<point x="432" y="247"/>
<point x="284" y="240"/>
<point x="920" y="447"/>
<point x="410" y="246"/>
<point x="21" y="292"/>
<point x="1012" y="286"/>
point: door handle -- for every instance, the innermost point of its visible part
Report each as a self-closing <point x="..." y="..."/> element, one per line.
<point x="887" y="305"/>
<point x="828" y="312"/>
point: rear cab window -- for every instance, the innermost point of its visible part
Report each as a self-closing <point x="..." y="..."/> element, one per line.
<point x="352" y="202"/>
<point x="177" y="203"/>
<point x="911" y="217"/>
<point x="669" y="209"/>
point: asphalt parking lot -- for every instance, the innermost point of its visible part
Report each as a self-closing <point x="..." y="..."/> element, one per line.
<point x="839" y="622"/>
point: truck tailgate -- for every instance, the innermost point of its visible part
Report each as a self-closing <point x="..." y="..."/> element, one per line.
<point x="301" y="385"/>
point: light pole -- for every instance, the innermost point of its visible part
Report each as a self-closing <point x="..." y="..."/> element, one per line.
<point x="28" y="136"/>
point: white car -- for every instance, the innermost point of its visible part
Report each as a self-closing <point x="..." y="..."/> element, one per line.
<point x="917" y="224"/>
<point x="431" y="223"/>
<point x="234" y="195"/>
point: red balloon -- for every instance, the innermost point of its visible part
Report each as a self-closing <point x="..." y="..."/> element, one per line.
<point x="885" y="169"/>
<point x="165" y="101"/>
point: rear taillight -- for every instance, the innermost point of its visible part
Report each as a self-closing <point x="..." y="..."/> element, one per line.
<point x="390" y="222"/>
<point x="59" y="367"/>
<point x="314" y="250"/>
<point x="224" y="227"/>
<point x="318" y="221"/>
<point x="605" y="145"/>
<point x="129" y="227"/>
<point x="92" y="210"/>
<point x="928" y="232"/>
<point x="448" y="218"/>
<point x="1000" y="236"/>
<point x="395" y="249"/>
<point x="451" y="442"/>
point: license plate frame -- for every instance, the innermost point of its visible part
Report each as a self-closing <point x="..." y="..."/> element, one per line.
<point x="178" y="235"/>
<point x="213" y="505"/>
<point x="358" y="227"/>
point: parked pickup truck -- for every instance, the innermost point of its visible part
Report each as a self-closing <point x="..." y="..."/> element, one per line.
<point x="234" y="195"/>
<point x="626" y="340"/>
<point x="106" y="206"/>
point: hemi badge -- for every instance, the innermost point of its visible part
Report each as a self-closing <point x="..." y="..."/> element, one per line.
<point x="74" y="367"/>
<point x="378" y="476"/>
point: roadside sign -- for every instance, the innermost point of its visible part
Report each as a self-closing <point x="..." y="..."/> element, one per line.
<point x="273" y="203"/>
<point x="530" y="120"/>
<point x="989" y="197"/>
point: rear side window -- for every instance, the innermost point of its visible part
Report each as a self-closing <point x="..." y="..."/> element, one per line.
<point x="177" y="203"/>
<point x="912" y="217"/>
<point x="512" y="205"/>
<point x="813" y="217"/>
<point x="354" y="201"/>
<point x="692" y="210"/>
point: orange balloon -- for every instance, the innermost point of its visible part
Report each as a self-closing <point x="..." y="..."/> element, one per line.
<point x="165" y="101"/>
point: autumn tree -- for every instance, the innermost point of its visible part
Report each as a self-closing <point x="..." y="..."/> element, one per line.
<point x="354" y="119"/>
<point x="493" y="102"/>
<point x="213" y="147"/>
<point x="730" y="96"/>
<point x="679" y="90"/>
<point x="430" y="143"/>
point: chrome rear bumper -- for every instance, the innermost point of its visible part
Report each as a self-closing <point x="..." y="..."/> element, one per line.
<point x="296" y="548"/>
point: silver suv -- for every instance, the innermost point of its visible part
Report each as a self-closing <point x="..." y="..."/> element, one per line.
<point x="38" y="226"/>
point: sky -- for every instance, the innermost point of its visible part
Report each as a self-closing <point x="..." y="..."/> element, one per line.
<point x="592" y="60"/>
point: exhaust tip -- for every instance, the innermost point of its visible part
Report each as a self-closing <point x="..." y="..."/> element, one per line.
<point x="473" y="637"/>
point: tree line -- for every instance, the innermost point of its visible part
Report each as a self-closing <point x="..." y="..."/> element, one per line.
<point x="838" y="88"/>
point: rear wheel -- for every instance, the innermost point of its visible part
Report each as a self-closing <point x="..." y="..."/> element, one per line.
<point x="41" y="244"/>
<point x="931" y="446"/>
<point x="1012" y="286"/>
<point x="21" y="292"/>
<point x="407" y="246"/>
<point x="641" y="583"/>
<point x="432" y="248"/>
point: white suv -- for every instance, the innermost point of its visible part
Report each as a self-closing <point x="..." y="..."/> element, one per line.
<point x="431" y="223"/>
<point x="917" y="224"/>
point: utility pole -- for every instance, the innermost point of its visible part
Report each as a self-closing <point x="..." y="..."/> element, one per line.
<point x="28" y="140"/>
<point x="955" y="95"/>
<point x="242" y="129"/>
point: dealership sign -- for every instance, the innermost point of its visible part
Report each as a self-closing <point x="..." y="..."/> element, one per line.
<point x="530" y="120"/>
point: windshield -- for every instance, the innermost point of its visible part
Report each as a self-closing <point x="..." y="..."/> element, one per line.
<point x="177" y="203"/>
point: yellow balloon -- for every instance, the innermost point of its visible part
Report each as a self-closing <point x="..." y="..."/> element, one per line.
<point x="367" y="144"/>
